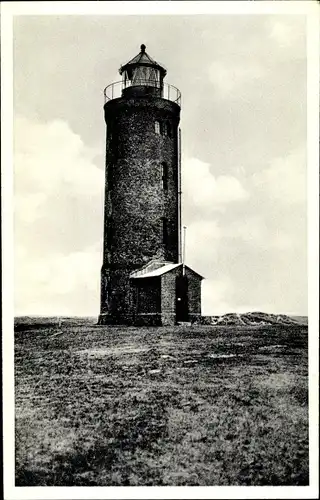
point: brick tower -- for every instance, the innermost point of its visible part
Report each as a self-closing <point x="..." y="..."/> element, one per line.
<point x="142" y="195"/>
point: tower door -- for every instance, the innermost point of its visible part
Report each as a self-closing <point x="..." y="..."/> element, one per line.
<point x="182" y="309"/>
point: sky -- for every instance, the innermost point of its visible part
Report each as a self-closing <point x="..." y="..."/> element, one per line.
<point x="244" y="172"/>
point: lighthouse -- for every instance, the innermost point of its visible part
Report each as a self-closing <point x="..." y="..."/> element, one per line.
<point x="143" y="278"/>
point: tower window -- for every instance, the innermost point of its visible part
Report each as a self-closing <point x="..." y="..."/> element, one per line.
<point x="167" y="129"/>
<point x="164" y="128"/>
<point x="164" y="222"/>
<point x="164" y="176"/>
<point x="110" y="176"/>
<point x="109" y="233"/>
<point x="110" y="129"/>
<point x="157" y="127"/>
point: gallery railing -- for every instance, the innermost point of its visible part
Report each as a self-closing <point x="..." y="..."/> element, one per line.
<point x="169" y="92"/>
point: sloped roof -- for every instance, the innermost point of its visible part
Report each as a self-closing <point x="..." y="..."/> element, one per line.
<point x="155" y="272"/>
<point x="159" y="271"/>
<point x="142" y="59"/>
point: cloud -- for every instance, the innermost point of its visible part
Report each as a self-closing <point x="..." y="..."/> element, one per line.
<point x="252" y="252"/>
<point x="255" y="231"/>
<point x="27" y="206"/>
<point x="229" y="77"/>
<point x="218" y="295"/>
<point x="58" y="193"/>
<point x="56" y="283"/>
<point x="285" y="178"/>
<point x="50" y="157"/>
<point x="285" y="33"/>
<point x="205" y="191"/>
<point x="215" y="297"/>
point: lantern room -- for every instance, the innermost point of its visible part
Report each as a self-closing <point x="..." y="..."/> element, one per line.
<point x="142" y="74"/>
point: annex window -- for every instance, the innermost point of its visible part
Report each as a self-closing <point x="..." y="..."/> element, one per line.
<point x="164" y="223"/>
<point x="164" y="176"/>
<point x="157" y="127"/>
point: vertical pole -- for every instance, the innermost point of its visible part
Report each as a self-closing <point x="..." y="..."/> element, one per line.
<point x="184" y="250"/>
<point x="179" y="198"/>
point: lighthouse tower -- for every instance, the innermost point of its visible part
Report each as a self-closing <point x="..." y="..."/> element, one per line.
<point x="143" y="280"/>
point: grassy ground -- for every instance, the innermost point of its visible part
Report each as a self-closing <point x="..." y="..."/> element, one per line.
<point x="163" y="406"/>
